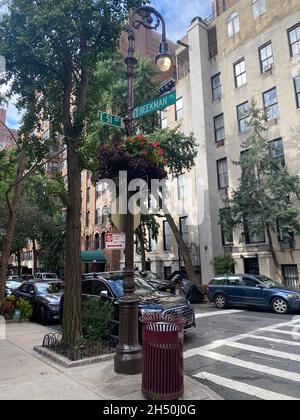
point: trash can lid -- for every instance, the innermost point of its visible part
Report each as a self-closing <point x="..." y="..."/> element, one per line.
<point x="160" y="319"/>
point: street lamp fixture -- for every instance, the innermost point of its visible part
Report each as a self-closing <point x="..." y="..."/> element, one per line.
<point x="128" y="359"/>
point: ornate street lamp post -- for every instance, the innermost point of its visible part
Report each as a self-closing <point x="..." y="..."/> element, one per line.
<point x="128" y="354"/>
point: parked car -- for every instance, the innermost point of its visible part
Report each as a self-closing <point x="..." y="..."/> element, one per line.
<point x="27" y="277"/>
<point x="46" y="277"/>
<point x="253" y="291"/>
<point x="13" y="278"/>
<point x="186" y="287"/>
<point x="11" y="286"/>
<point x="109" y="286"/>
<point x="158" y="284"/>
<point x="44" y="298"/>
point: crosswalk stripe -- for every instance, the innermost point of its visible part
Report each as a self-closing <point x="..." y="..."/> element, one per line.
<point x="215" y="313"/>
<point x="262" y="350"/>
<point x="285" y="332"/>
<point x="272" y="340"/>
<point x="244" y="388"/>
<point x="291" y="376"/>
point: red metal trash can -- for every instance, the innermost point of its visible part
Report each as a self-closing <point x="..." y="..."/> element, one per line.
<point x="162" y="359"/>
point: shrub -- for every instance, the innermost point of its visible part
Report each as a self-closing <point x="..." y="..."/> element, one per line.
<point x="25" y="308"/>
<point x="96" y="317"/>
<point x="224" y="264"/>
<point x="8" y="308"/>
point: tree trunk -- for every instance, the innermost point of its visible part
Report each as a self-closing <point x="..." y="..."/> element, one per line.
<point x="11" y="223"/>
<point x="183" y="249"/>
<point x="19" y="262"/>
<point x="273" y="253"/>
<point x="72" y="328"/>
<point x="34" y="256"/>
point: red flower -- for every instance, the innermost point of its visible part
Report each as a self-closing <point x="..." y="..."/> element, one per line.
<point x="157" y="144"/>
<point x="160" y="152"/>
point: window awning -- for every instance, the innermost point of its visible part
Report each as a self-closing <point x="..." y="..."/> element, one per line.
<point x="96" y="257"/>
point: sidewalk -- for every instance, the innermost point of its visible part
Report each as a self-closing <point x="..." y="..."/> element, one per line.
<point x="26" y="375"/>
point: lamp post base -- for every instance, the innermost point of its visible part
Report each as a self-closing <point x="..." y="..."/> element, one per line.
<point x="128" y="358"/>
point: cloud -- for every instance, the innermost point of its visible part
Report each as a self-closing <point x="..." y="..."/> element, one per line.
<point x="178" y="14"/>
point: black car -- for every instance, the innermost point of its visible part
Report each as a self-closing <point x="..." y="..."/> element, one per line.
<point x="109" y="286"/>
<point x="44" y="297"/>
<point x="186" y="287"/>
<point x="158" y="284"/>
<point x="11" y="286"/>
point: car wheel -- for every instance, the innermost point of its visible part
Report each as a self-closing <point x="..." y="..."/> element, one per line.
<point x="44" y="315"/>
<point x="279" y="306"/>
<point x="220" y="301"/>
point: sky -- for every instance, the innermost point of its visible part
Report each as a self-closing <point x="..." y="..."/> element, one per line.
<point x="178" y="15"/>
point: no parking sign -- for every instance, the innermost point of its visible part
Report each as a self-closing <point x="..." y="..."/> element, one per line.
<point x="115" y="241"/>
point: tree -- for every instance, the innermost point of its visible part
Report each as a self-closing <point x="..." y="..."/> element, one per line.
<point x="266" y="197"/>
<point x="51" y="49"/>
<point x="147" y="231"/>
<point x="223" y="264"/>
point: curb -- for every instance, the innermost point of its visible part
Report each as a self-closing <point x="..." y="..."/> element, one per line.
<point x="66" y="363"/>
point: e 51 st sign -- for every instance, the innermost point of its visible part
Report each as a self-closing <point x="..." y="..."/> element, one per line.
<point x="111" y="120"/>
<point x="155" y="105"/>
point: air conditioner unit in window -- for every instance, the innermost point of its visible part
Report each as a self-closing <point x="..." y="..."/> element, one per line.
<point x="267" y="68"/>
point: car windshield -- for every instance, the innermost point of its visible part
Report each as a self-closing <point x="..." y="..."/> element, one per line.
<point x="49" y="276"/>
<point x="116" y="283"/>
<point x="13" y="284"/>
<point x="49" y="288"/>
<point x="268" y="282"/>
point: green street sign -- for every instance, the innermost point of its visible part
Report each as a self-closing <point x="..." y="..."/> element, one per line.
<point x="111" y="120"/>
<point x="155" y="105"/>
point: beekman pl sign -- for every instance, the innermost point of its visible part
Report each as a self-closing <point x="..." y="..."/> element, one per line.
<point x="155" y="105"/>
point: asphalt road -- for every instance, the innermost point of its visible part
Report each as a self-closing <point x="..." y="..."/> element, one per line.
<point x="246" y="354"/>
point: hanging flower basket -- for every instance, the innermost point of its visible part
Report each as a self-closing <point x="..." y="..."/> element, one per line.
<point x="137" y="155"/>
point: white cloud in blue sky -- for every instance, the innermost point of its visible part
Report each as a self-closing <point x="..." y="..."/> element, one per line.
<point x="179" y="13"/>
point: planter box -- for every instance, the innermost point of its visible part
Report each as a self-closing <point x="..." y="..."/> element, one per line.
<point x="63" y="361"/>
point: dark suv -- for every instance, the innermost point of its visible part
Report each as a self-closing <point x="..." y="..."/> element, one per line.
<point x="109" y="287"/>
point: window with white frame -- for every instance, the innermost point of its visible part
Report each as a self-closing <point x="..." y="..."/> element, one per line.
<point x="266" y="57"/>
<point x="297" y="90"/>
<point x="222" y="168"/>
<point x="233" y="24"/>
<point x="277" y="151"/>
<point x="163" y="119"/>
<point x="243" y="114"/>
<point x="181" y="187"/>
<point x="271" y="104"/>
<point x="294" y="39"/>
<point x="240" y="75"/>
<point x="216" y="87"/>
<point x="167" y="236"/>
<point x="254" y="230"/>
<point x="179" y="109"/>
<point x="259" y="8"/>
<point x="184" y="229"/>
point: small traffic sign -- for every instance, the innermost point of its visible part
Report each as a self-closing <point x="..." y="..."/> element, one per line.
<point x="113" y="120"/>
<point x="155" y="105"/>
<point x="115" y="241"/>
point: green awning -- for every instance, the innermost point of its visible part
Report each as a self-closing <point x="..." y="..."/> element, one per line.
<point x="96" y="257"/>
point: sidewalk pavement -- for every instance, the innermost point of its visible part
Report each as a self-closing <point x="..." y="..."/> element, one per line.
<point x="27" y="375"/>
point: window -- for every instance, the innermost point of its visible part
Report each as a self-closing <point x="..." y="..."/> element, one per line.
<point x="248" y="282"/>
<point x="87" y="219"/>
<point x="88" y="195"/>
<point x="98" y="217"/>
<point x="179" y="109"/>
<point x="233" y="24"/>
<point x="277" y="151"/>
<point x="254" y="230"/>
<point x="152" y="242"/>
<point x="271" y="104"/>
<point x="297" y="90"/>
<point x="167" y="236"/>
<point x="219" y="128"/>
<point x="266" y="57"/>
<point x="97" y="241"/>
<point x="259" y="8"/>
<point x="99" y="190"/>
<point x="184" y="229"/>
<point x="294" y="39"/>
<point x="233" y="281"/>
<point x="218" y="281"/>
<point x="87" y="243"/>
<point x="181" y="187"/>
<point x="227" y="237"/>
<point x="103" y="242"/>
<point x="163" y="119"/>
<point x="216" y="87"/>
<point x="243" y="113"/>
<point x="284" y="236"/>
<point x="222" y="167"/>
<point x="291" y="275"/>
<point x="240" y="75"/>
